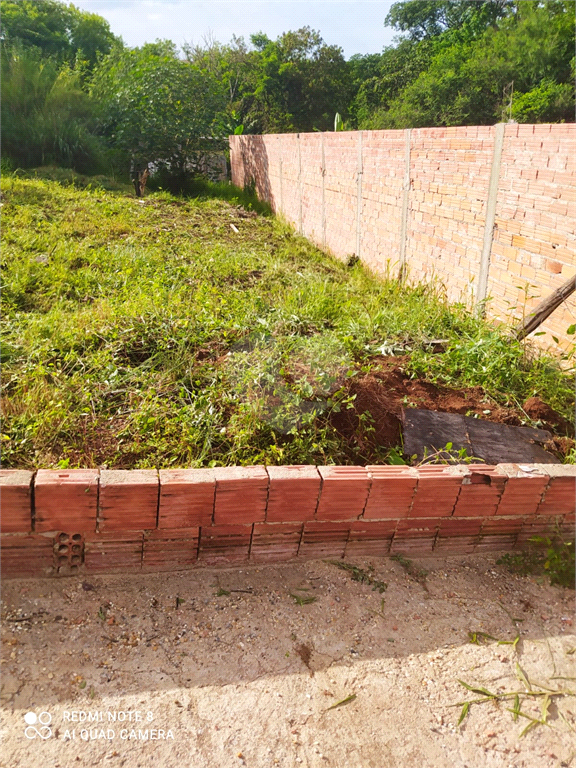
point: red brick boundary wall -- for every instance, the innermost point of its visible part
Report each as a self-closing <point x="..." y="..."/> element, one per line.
<point x="61" y="522"/>
<point x="488" y="211"/>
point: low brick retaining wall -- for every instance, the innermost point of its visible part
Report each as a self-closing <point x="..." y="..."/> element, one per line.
<point x="60" y="522"/>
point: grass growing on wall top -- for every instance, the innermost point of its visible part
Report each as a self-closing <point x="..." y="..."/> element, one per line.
<point x="193" y="332"/>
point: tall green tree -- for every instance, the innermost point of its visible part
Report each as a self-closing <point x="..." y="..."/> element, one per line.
<point x="381" y="80"/>
<point x="293" y="83"/>
<point x="300" y="83"/>
<point x="425" y="19"/>
<point x="158" y="108"/>
<point x="57" y="30"/>
<point x="532" y="47"/>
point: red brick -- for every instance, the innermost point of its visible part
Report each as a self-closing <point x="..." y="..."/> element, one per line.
<point x="370" y="539"/>
<point x="68" y="553"/>
<point x="114" y="552"/>
<point x="128" y="499"/>
<point x="391" y="492"/>
<point x="16" y="500"/>
<point x="24" y="556"/>
<point x="567" y="527"/>
<point x="275" y="542"/>
<point x="343" y="494"/>
<point x="413" y="528"/>
<point x="241" y="494"/>
<point x="496" y="543"/>
<point x="499" y="533"/>
<point x="502" y="525"/>
<point x="481" y="491"/>
<point x="222" y="544"/>
<point x="293" y="493"/>
<point x="536" y="526"/>
<point x="452" y="527"/>
<point x="450" y="173"/>
<point x="455" y="545"/>
<point x="66" y="500"/>
<point x="415" y="535"/>
<point x="560" y="496"/>
<point x="186" y="498"/>
<point x="324" y="539"/>
<point x="436" y="492"/>
<point x="170" y="550"/>
<point x="522" y="493"/>
<point x="412" y="546"/>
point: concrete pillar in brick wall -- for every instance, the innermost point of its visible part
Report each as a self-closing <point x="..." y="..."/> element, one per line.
<point x="299" y="185"/>
<point x="405" y="201"/>
<point x="490" y="217"/>
<point x="359" y="196"/>
<point x="323" y="174"/>
<point x="280" y="175"/>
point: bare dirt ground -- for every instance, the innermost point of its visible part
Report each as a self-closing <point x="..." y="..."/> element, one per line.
<point x="236" y="672"/>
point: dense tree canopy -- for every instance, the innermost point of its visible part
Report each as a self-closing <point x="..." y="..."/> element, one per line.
<point x="58" y="30"/>
<point x="295" y="83"/>
<point x="466" y="68"/>
<point x="430" y="18"/>
<point x="73" y="93"/>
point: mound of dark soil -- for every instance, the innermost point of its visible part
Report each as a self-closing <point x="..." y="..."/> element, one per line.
<point x="387" y="389"/>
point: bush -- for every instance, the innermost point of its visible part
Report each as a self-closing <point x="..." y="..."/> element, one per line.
<point x="46" y="116"/>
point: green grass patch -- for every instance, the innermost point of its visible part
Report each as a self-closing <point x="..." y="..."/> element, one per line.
<point x="177" y="331"/>
<point x="552" y="556"/>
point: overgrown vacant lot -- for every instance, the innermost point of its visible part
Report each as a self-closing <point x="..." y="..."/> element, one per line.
<point x="170" y="332"/>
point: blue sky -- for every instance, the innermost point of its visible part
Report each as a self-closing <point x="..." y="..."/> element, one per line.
<point x="357" y="26"/>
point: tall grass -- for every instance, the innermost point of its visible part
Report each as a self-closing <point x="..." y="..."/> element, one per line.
<point x="46" y="116"/>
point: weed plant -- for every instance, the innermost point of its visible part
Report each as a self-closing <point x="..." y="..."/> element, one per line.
<point x="153" y="333"/>
<point x="550" y="555"/>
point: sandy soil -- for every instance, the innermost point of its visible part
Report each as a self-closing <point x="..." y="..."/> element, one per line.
<point x="248" y="678"/>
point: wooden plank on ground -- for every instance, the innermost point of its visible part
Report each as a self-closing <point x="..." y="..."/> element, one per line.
<point x="427" y="432"/>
